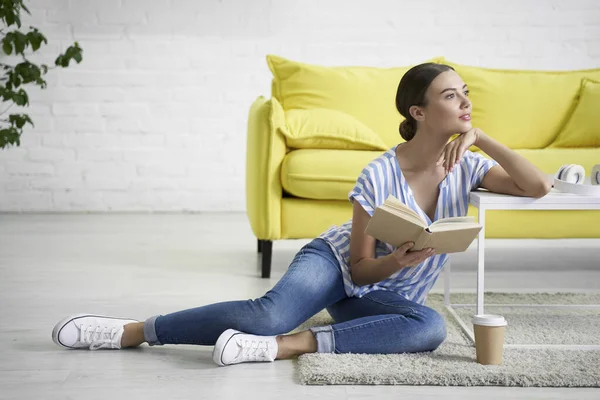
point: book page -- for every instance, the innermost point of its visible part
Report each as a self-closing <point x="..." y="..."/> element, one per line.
<point x="395" y="206"/>
<point x="453" y="241"/>
<point x="450" y="226"/>
<point x="390" y="228"/>
<point x="454" y="220"/>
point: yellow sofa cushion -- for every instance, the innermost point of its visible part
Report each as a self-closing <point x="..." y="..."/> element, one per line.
<point x="331" y="174"/>
<point x="323" y="174"/>
<point x="522" y="109"/>
<point x="321" y="128"/>
<point x="583" y="126"/>
<point x="366" y="93"/>
<point x="302" y="218"/>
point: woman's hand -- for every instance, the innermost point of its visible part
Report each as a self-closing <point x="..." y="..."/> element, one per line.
<point x="454" y="150"/>
<point x="405" y="258"/>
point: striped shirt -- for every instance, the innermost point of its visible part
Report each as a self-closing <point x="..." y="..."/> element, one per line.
<point x="381" y="178"/>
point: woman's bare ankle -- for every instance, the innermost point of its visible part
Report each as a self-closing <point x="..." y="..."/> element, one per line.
<point x="133" y="335"/>
<point x="297" y="344"/>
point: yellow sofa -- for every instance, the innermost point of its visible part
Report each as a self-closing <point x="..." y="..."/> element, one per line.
<point x="307" y="144"/>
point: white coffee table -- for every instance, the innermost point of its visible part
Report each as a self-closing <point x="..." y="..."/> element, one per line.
<point x="483" y="201"/>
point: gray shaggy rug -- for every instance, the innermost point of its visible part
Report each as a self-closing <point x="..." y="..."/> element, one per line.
<point x="453" y="363"/>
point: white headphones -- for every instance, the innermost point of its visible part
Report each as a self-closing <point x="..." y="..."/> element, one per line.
<point x="571" y="178"/>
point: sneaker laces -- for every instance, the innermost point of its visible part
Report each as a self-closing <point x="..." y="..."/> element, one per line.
<point x="256" y="350"/>
<point x="99" y="337"/>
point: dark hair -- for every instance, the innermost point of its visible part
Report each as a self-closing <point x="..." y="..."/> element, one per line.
<point x="411" y="92"/>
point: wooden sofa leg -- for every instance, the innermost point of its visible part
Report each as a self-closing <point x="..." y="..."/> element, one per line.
<point x="266" y="248"/>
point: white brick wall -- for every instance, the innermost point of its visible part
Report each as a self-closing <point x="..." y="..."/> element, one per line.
<point x="155" y="116"/>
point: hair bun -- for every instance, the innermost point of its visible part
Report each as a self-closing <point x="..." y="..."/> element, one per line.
<point x="408" y="128"/>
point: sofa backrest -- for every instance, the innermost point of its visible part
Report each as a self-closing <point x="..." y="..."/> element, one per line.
<point x="365" y="93"/>
<point x="523" y="109"/>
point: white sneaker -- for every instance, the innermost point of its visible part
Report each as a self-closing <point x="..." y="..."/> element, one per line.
<point x="85" y="331"/>
<point x="234" y="347"/>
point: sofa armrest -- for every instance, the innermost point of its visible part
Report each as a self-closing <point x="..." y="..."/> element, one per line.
<point x="265" y="151"/>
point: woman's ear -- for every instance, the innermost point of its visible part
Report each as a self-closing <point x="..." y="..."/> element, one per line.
<point x="417" y="113"/>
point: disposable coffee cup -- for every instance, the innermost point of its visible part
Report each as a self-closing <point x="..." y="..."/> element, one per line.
<point x="489" y="338"/>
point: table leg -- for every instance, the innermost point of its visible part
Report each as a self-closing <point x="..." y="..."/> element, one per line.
<point x="480" y="261"/>
<point x="447" y="283"/>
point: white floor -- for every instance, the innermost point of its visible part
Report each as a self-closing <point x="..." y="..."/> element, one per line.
<point x="140" y="265"/>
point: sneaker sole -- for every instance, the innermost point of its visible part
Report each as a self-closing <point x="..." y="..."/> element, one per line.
<point x="61" y="324"/>
<point x="222" y="341"/>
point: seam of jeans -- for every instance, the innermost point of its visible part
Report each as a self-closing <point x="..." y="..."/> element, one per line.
<point x="332" y="335"/>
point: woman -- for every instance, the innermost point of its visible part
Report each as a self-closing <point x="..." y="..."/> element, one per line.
<point x="375" y="293"/>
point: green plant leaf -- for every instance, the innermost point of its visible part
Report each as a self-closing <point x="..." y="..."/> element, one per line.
<point x="9" y="136"/>
<point x="35" y="39"/>
<point x="6" y="94"/>
<point x="28" y="72"/>
<point x="9" y="18"/>
<point x="19" y="120"/>
<point x="7" y="46"/>
<point x="20" y="98"/>
<point x="72" y="53"/>
<point x="20" y="42"/>
<point x="16" y="80"/>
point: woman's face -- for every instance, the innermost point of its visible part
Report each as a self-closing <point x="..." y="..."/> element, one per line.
<point x="448" y="107"/>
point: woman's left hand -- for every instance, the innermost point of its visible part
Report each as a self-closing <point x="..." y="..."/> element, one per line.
<point x="454" y="150"/>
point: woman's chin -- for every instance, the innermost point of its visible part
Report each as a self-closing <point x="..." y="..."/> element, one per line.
<point x="465" y="127"/>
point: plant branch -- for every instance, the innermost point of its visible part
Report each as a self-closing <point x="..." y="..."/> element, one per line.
<point x="5" y="111"/>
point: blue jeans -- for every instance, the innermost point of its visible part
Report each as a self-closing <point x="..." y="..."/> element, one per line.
<point x="381" y="322"/>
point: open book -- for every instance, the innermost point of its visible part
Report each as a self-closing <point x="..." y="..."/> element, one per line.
<point x="395" y="223"/>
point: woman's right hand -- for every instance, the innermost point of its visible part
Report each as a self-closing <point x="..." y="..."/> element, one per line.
<point x="406" y="258"/>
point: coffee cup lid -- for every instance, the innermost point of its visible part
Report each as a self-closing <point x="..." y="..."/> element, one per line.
<point x="489" y="320"/>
